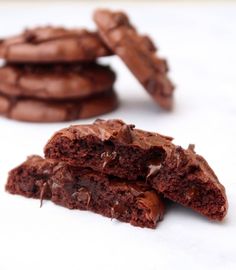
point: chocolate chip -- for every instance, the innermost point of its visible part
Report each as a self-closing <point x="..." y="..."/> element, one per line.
<point x="153" y="170"/>
<point x="83" y="196"/>
<point x="108" y="157"/>
<point x="152" y="204"/>
<point x="125" y="134"/>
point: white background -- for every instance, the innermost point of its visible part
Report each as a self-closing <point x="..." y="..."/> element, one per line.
<point x="199" y="40"/>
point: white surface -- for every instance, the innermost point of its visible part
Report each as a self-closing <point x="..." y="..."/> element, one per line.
<point x="199" y="41"/>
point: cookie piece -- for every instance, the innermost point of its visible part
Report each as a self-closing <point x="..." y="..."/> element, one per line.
<point x="118" y="149"/>
<point x="36" y="110"/>
<point x="53" y="44"/>
<point x="186" y="178"/>
<point x="85" y="189"/>
<point x="123" y="39"/>
<point x="58" y="81"/>
<point x="30" y="179"/>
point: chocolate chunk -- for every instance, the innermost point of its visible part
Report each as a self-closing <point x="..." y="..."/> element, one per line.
<point x="85" y="189"/>
<point x="53" y="44"/>
<point x="108" y="157"/>
<point x="138" y="53"/>
<point x="146" y="201"/>
<point x="38" y="110"/>
<point x="82" y="195"/>
<point x="153" y="170"/>
<point x="180" y="175"/>
<point x="55" y="81"/>
<point x="124" y="135"/>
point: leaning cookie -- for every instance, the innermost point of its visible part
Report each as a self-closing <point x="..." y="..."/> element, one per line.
<point x="123" y="39"/>
<point x="55" y="81"/>
<point x="36" y="110"/>
<point x="53" y="44"/>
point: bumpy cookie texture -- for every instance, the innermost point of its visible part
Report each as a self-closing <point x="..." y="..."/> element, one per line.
<point x="112" y="147"/>
<point x="137" y="53"/>
<point x="85" y="189"/>
<point x="36" y="110"/>
<point x="55" y="81"/>
<point x="53" y="44"/>
<point x="118" y="149"/>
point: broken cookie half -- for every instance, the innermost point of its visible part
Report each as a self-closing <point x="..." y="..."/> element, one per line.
<point x="85" y="189"/>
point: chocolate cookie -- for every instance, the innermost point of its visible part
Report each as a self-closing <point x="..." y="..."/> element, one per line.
<point x="123" y="39"/>
<point x="85" y="189"/>
<point x="36" y="110"/>
<point x="118" y="149"/>
<point x="53" y="44"/>
<point x="58" y="81"/>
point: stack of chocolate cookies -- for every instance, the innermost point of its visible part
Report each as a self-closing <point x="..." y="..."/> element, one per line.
<point x="121" y="172"/>
<point x="51" y="75"/>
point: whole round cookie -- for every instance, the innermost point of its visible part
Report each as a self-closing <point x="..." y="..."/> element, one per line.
<point x="137" y="53"/>
<point x="53" y="44"/>
<point x="36" y="110"/>
<point x="55" y="81"/>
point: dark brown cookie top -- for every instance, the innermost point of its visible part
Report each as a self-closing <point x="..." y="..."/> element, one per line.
<point x="117" y="131"/>
<point x="36" y="110"/>
<point x="53" y="44"/>
<point x="140" y="57"/>
<point x="55" y="81"/>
